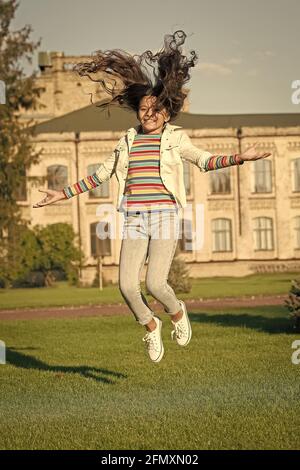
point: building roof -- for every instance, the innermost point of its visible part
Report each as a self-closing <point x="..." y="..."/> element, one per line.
<point x="93" y="119"/>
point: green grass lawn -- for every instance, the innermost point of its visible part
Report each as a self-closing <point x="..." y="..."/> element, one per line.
<point x="63" y="295"/>
<point x="86" y="383"/>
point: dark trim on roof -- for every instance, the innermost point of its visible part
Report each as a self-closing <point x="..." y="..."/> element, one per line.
<point x="93" y="119"/>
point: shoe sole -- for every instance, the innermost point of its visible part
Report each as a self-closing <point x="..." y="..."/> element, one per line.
<point x="162" y="346"/>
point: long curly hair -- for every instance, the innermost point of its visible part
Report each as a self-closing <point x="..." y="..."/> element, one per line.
<point x="126" y="79"/>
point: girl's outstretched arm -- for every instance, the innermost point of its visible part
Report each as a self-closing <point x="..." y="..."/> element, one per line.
<point x="207" y="161"/>
<point x="85" y="184"/>
<point x="103" y="173"/>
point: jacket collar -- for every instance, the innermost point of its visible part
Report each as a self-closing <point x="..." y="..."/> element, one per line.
<point x="132" y="131"/>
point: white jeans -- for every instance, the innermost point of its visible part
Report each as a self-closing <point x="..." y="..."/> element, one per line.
<point x="153" y="235"/>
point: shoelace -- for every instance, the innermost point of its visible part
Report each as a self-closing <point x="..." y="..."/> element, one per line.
<point x="179" y="330"/>
<point x="150" y="341"/>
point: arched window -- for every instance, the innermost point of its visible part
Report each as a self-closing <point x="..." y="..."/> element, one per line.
<point x="263" y="233"/>
<point x="100" y="239"/>
<point x="221" y="235"/>
<point x="57" y="177"/>
<point x="103" y="189"/>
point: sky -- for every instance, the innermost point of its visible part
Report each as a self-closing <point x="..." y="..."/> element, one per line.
<point x="248" y="50"/>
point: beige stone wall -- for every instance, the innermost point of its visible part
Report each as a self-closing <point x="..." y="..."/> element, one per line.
<point x="282" y="205"/>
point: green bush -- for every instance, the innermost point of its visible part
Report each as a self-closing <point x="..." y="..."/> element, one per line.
<point x="179" y="276"/>
<point x="293" y="304"/>
<point x="38" y="257"/>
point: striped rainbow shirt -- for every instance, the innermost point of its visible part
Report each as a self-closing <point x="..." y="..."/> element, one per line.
<point x="144" y="190"/>
<point x="144" y="186"/>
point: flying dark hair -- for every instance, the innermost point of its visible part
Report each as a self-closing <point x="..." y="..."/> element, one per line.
<point x="126" y="79"/>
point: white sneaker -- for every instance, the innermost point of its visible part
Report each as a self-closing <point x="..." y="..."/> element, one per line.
<point x="182" y="328"/>
<point x="154" y="342"/>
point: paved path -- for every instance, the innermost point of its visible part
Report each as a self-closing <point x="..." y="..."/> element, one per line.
<point x="123" y="309"/>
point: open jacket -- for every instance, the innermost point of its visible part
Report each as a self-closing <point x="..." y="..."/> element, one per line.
<point x="175" y="147"/>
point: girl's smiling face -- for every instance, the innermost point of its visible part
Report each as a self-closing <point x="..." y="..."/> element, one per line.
<point x="152" y="121"/>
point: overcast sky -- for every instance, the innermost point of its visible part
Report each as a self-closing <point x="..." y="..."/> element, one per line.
<point x="249" y="50"/>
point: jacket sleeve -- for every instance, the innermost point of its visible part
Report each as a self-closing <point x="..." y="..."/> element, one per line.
<point x="203" y="159"/>
<point x="103" y="173"/>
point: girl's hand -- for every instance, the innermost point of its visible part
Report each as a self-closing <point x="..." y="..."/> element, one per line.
<point x="52" y="196"/>
<point x="252" y="154"/>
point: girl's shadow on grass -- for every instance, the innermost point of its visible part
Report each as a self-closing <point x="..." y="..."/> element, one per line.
<point x="24" y="361"/>
<point x="272" y="325"/>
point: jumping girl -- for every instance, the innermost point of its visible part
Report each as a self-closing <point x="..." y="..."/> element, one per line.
<point x="150" y="156"/>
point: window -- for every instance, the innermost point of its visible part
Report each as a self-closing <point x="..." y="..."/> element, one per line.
<point x="185" y="235"/>
<point x="21" y="188"/>
<point x="262" y="172"/>
<point x="297" y="231"/>
<point x="296" y="172"/>
<point x="220" y="181"/>
<point x="57" y="177"/>
<point x="103" y="189"/>
<point x="263" y="233"/>
<point x="187" y="177"/>
<point x="100" y="246"/>
<point x="221" y="235"/>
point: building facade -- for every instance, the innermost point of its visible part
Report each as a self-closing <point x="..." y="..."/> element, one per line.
<point x="249" y="216"/>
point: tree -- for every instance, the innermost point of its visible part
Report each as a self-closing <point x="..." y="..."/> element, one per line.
<point x="40" y="254"/>
<point x="58" y="251"/>
<point x="23" y="258"/>
<point x="293" y="304"/>
<point x="16" y="149"/>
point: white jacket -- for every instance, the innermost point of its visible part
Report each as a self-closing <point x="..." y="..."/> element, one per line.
<point x="175" y="147"/>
